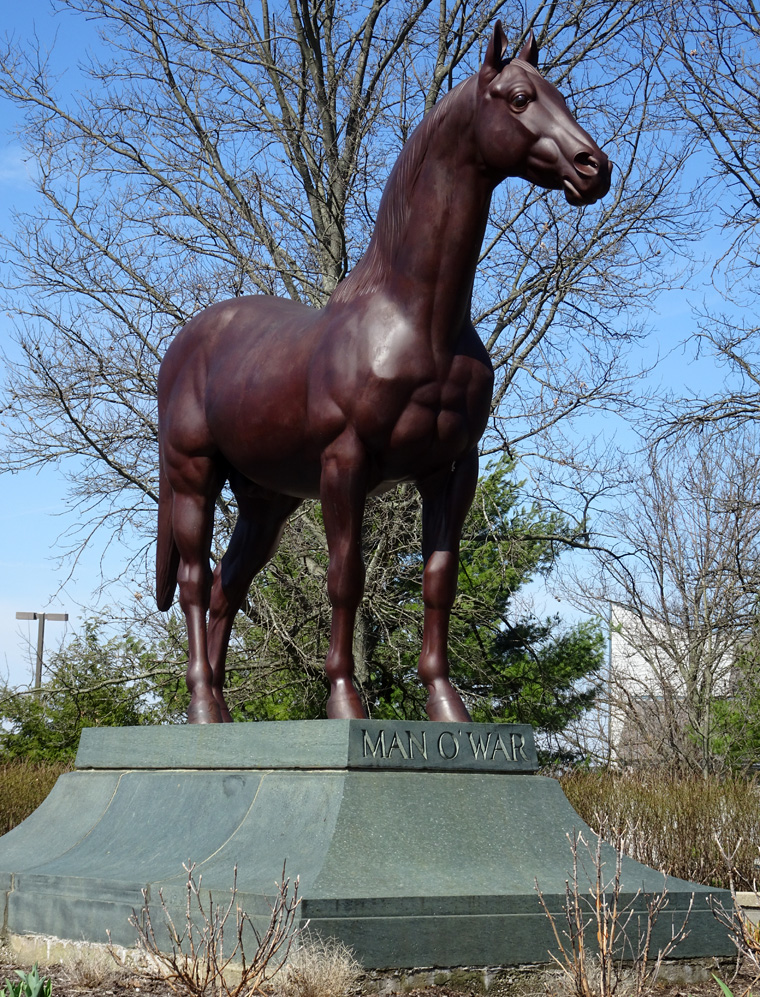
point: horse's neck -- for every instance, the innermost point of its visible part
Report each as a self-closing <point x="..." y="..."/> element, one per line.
<point x="431" y="222"/>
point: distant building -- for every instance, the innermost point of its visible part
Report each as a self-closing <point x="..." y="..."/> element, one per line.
<point x="650" y="664"/>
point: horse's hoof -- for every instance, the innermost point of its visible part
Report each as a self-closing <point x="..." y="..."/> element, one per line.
<point x="446" y="705"/>
<point x="223" y="709"/>
<point x="204" y="711"/>
<point x="344" y="703"/>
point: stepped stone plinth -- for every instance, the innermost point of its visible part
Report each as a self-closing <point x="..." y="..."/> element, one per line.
<point x="417" y="844"/>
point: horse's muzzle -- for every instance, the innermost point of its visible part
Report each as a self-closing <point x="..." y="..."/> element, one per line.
<point x="593" y="175"/>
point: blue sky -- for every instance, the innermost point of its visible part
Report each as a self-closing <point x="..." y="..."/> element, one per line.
<point x="32" y="505"/>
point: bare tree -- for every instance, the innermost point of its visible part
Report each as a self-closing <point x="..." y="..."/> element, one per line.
<point x="681" y="573"/>
<point x="713" y="74"/>
<point x="214" y="149"/>
<point x="231" y="148"/>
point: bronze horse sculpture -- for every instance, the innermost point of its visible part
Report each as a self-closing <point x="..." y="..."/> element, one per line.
<point x="388" y="382"/>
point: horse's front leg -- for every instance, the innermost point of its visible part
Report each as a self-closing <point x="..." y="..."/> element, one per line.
<point x="343" y="492"/>
<point x="446" y="500"/>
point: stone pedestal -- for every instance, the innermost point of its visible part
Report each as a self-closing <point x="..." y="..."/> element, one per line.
<point x="417" y="844"/>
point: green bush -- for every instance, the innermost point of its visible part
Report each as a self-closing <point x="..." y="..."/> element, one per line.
<point x="94" y="681"/>
<point x="672" y="822"/>
<point x="23" y="787"/>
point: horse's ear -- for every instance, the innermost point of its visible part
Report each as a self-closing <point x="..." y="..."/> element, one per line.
<point x="494" y="60"/>
<point x="529" y="51"/>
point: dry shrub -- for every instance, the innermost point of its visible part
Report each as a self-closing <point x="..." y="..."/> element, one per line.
<point x="671" y="822"/>
<point x="23" y="787"/>
<point x="623" y="960"/>
<point x="90" y="969"/>
<point x="200" y="961"/>
<point x="743" y="932"/>
<point x="319" y="968"/>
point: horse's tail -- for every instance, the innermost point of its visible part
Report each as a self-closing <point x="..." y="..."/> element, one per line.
<point x="167" y="553"/>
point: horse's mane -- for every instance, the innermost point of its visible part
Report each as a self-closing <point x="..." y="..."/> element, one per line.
<point x="392" y="217"/>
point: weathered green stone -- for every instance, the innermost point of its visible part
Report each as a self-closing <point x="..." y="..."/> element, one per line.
<point x="417" y="844"/>
<point x="314" y="744"/>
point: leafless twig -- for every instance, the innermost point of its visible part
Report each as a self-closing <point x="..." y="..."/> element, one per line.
<point x="624" y="944"/>
<point x="197" y="963"/>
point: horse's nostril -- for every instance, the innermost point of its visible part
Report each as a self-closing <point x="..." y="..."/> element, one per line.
<point x="586" y="164"/>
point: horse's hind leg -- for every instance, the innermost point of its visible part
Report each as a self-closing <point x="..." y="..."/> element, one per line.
<point x="254" y="540"/>
<point x="196" y="485"/>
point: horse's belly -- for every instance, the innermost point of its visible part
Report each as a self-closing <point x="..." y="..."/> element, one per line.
<point x="298" y="479"/>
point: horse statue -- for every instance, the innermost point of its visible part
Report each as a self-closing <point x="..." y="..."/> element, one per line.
<point x="388" y="382"/>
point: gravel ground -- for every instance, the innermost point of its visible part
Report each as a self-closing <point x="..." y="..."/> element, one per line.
<point x="81" y="981"/>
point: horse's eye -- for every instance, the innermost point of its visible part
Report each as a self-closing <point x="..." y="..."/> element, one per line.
<point x="520" y="100"/>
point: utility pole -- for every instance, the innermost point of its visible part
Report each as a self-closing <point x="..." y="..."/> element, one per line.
<point x="41" y="617"/>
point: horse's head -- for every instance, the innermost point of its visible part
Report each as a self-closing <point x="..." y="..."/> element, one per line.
<point x="524" y="129"/>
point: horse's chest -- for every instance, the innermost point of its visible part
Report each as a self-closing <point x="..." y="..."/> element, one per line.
<point x="413" y="409"/>
<point x="439" y="422"/>
<point x="432" y="417"/>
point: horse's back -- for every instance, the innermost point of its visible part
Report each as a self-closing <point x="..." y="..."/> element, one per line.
<point x="232" y="331"/>
<point x="234" y="382"/>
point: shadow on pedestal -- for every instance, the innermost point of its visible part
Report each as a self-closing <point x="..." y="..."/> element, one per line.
<point x="417" y="844"/>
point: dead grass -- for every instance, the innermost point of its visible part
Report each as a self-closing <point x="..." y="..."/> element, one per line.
<point x="23" y="787"/>
<point x="318" y="969"/>
<point x="672" y="823"/>
<point x="95" y="969"/>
